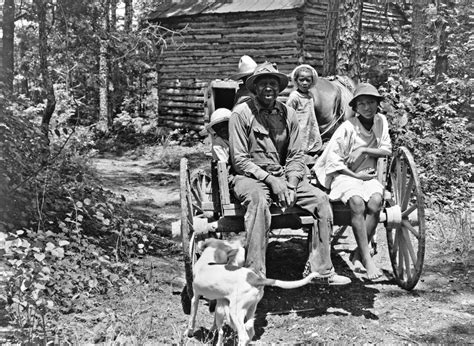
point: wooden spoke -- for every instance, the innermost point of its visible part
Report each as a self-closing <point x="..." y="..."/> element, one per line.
<point x="407" y="245"/>
<point x="406" y="257"/>
<point x="396" y="242"/>
<point x="200" y="182"/>
<point x="403" y="179"/>
<point x="407" y="194"/>
<point x="407" y="225"/>
<point x="406" y="213"/>
<point x="400" y="254"/>
<point x="398" y="177"/>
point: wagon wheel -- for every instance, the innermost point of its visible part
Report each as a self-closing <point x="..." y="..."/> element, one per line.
<point x="201" y="189"/>
<point x="405" y="220"/>
<point x="188" y="211"/>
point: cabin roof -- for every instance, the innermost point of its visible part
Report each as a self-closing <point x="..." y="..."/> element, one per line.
<point x="176" y="8"/>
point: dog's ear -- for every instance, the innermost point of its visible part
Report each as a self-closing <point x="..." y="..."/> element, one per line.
<point x="221" y="254"/>
<point x="231" y="253"/>
<point x="236" y="256"/>
<point x="238" y="241"/>
<point x="202" y="244"/>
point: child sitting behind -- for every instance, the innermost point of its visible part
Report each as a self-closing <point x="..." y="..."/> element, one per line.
<point x="218" y="130"/>
<point x="301" y="99"/>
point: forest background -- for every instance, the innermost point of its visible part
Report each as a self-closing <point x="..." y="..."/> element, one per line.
<point x="78" y="80"/>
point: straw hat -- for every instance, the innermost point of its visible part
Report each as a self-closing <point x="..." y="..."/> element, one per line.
<point x="365" y="89"/>
<point x="266" y="69"/>
<point x="218" y="116"/>
<point x="246" y="67"/>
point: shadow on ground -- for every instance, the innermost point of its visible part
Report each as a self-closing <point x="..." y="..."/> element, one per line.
<point x="286" y="261"/>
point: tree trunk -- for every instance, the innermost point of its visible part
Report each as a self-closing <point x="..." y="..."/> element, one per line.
<point x="104" y="116"/>
<point x="441" y="64"/>
<point x="41" y="6"/>
<point x="113" y="14"/>
<point x="128" y="15"/>
<point x="8" y="27"/>
<point x="330" y="47"/>
<point x="348" y="49"/>
<point x="417" y="44"/>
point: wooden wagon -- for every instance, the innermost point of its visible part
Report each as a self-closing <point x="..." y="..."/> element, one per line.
<point x="209" y="209"/>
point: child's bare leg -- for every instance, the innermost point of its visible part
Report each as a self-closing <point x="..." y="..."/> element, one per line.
<point x="374" y="206"/>
<point x="358" y="223"/>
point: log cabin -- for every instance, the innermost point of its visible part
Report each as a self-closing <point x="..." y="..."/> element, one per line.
<point x="209" y="37"/>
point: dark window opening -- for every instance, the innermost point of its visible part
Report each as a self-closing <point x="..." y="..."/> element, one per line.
<point x="223" y="97"/>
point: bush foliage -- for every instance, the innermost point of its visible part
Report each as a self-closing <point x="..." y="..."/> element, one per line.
<point x="431" y="120"/>
<point x="64" y="237"/>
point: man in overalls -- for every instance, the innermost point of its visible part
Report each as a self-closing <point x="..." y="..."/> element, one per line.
<point x="268" y="166"/>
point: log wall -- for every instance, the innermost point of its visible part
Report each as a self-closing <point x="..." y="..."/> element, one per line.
<point x="314" y="31"/>
<point x="212" y="47"/>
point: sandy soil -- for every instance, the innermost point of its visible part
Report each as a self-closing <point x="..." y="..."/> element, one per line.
<point x="439" y="310"/>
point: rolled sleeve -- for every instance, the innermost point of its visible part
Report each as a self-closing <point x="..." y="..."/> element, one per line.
<point x="385" y="141"/>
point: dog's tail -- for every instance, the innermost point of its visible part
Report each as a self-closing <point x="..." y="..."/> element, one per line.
<point x="286" y="284"/>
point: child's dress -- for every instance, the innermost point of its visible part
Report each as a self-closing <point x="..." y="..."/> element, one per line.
<point x="309" y="128"/>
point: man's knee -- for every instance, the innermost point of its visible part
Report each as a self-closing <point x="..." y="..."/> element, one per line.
<point x="323" y="206"/>
<point x="257" y="197"/>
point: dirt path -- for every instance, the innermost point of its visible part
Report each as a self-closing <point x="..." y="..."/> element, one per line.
<point x="439" y="310"/>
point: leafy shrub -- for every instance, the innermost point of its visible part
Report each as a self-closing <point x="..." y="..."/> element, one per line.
<point x="128" y="133"/>
<point x="431" y="121"/>
<point x="63" y="236"/>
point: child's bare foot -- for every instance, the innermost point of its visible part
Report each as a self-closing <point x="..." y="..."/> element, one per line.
<point x="372" y="271"/>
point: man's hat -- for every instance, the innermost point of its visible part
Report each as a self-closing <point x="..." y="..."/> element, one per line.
<point x="266" y="69"/>
<point x="246" y="67"/>
<point x="365" y="89"/>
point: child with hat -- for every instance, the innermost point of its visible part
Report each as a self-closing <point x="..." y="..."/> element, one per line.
<point x="347" y="167"/>
<point x="218" y="130"/>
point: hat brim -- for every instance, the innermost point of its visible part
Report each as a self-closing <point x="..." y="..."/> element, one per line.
<point x="238" y="76"/>
<point x="352" y="102"/>
<point x="208" y="127"/>
<point x="282" y="80"/>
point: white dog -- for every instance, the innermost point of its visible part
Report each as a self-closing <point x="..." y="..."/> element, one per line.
<point x="237" y="290"/>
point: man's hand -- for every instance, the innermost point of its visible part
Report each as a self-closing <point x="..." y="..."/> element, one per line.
<point x="286" y="197"/>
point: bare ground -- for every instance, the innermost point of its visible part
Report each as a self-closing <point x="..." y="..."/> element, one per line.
<point x="439" y="310"/>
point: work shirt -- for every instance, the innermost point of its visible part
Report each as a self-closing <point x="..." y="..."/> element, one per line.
<point x="265" y="141"/>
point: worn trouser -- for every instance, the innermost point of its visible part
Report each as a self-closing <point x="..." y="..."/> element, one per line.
<point x="255" y="196"/>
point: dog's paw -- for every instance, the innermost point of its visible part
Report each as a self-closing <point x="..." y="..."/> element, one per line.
<point x="189" y="333"/>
